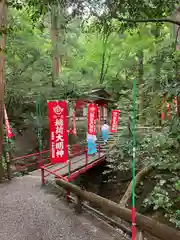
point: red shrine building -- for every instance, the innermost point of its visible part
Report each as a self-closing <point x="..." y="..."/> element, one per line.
<point x="99" y="96"/>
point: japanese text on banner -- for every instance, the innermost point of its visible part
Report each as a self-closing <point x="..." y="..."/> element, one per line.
<point x="58" y="124"/>
<point x="99" y="120"/>
<point x="92" y="116"/>
<point x="115" y="120"/>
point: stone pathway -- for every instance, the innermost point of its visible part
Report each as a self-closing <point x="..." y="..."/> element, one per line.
<point x="27" y="212"/>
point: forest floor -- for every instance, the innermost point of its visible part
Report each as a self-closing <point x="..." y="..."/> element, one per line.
<point x="28" y="212"/>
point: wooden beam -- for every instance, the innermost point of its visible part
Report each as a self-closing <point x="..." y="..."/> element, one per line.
<point x="146" y="224"/>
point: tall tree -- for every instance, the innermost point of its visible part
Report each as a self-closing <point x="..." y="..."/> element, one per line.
<point x="55" y="38"/>
<point x="140" y="82"/>
<point x="3" y="24"/>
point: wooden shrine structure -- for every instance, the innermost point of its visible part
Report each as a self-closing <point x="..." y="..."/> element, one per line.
<point x="99" y="96"/>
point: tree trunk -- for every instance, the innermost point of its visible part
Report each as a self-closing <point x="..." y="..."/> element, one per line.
<point x="146" y="224"/>
<point x="3" y="23"/>
<point x="158" y="60"/>
<point x="140" y="82"/>
<point x="55" y="38"/>
<point x="104" y="65"/>
<point x="177" y="77"/>
<point x="158" y="63"/>
<point x="139" y="177"/>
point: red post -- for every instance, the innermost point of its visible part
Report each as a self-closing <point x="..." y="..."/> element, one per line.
<point x="40" y="160"/>
<point x="86" y="156"/>
<point x="42" y="176"/>
<point x="76" y="148"/>
<point x="99" y="151"/>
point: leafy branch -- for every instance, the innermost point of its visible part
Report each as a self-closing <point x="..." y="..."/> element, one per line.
<point x="149" y="20"/>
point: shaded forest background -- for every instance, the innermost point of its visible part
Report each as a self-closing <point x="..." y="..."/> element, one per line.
<point x="59" y="49"/>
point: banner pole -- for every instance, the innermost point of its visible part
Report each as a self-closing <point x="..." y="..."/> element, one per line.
<point x="134" y="162"/>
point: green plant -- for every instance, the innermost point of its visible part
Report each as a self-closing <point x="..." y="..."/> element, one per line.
<point x="159" y="198"/>
<point x="175" y="218"/>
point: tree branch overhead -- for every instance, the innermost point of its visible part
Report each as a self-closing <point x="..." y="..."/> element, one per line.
<point x="153" y="20"/>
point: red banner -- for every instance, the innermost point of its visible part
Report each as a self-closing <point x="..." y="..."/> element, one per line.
<point x="79" y="104"/>
<point x="115" y="120"/>
<point x="74" y="123"/>
<point x="92" y="116"/>
<point x="162" y="116"/>
<point x="99" y="119"/>
<point x="162" y="109"/>
<point x="58" y="125"/>
<point x="9" y="132"/>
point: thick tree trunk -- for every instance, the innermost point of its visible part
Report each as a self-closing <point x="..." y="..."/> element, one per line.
<point x="146" y="224"/>
<point x="140" y="81"/>
<point x="3" y="22"/>
<point x="177" y="76"/>
<point x="158" y="64"/>
<point x="104" y="63"/>
<point x="55" y="38"/>
<point x="139" y="177"/>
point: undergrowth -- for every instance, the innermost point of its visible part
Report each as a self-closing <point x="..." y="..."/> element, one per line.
<point x="161" y="150"/>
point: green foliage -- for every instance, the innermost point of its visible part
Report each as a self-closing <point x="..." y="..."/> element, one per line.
<point x="120" y="154"/>
<point x="175" y="218"/>
<point x="104" y="52"/>
<point x="161" y="150"/>
<point x="159" y="198"/>
<point x="163" y="199"/>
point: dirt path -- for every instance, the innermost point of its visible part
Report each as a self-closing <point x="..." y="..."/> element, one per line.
<point x="28" y="213"/>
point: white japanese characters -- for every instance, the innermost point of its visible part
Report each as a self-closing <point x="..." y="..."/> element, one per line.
<point x="57" y="135"/>
<point x="59" y="124"/>
<point x="114" y="123"/>
<point x="92" y="120"/>
<point x="58" y="131"/>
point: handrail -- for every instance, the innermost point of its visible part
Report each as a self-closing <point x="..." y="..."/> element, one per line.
<point x="144" y="223"/>
<point x="38" y="153"/>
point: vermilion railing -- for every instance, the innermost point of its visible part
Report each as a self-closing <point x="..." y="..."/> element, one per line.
<point x="34" y="161"/>
<point x="83" y="157"/>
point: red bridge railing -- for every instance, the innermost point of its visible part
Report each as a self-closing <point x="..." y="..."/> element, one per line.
<point x="83" y="157"/>
<point x="34" y="161"/>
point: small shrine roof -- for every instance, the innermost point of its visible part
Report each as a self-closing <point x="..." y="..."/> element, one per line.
<point x="97" y="94"/>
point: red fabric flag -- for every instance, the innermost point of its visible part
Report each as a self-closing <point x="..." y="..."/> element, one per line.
<point x="162" y="116"/>
<point x="114" y="120"/>
<point x="162" y="113"/>
<point x="9" y="132"/>
<point x="71" y="131"/>
<point x="58" y="125"/>
<point x="79" y="104"/>
<point x="74" y="123"/>
<point x="92" y="116"/>
<point x="99" y="119"/>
